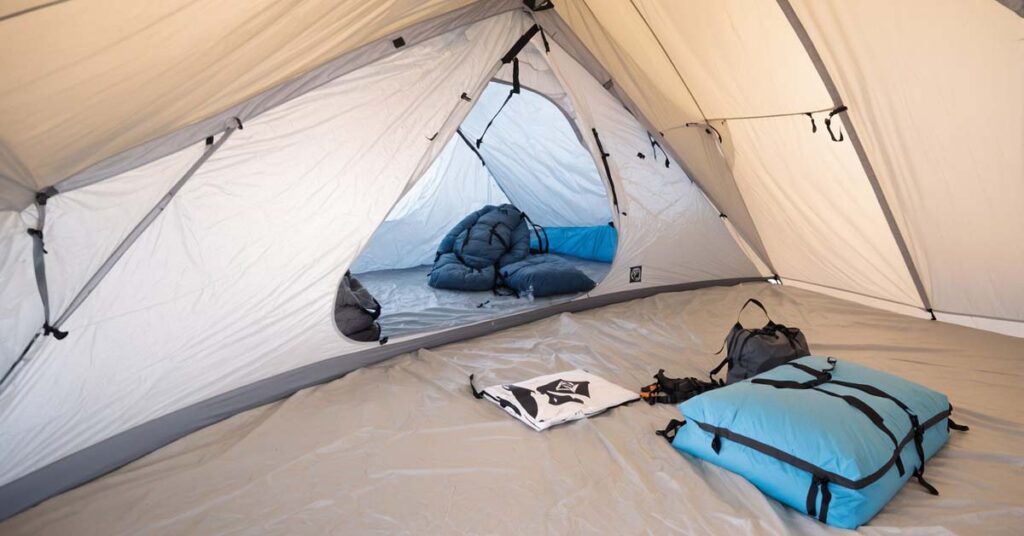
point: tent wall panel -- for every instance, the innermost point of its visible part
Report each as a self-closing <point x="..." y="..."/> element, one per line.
<point x="535" y="156"/>
<point x="738" y="57"/>
<point x="86" y="96"/>
<point x="247" y="258"/>
<point x="655" y="199"/>
<point x="619" y="39"/>
<point x="945" y="142"/>
<point x="84" y="226"/>
<point x="808" y="194"/>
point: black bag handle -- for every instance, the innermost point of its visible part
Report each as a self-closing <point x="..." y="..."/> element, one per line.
<point x="749" y="301"/>
<point x="760" y="305"/>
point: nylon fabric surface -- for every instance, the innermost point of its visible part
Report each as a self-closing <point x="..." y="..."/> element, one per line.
<point x="248" y="255"/>
<point x="404" y="447"/>
<point x="411" y="306"/>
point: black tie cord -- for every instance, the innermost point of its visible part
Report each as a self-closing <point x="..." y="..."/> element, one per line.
<point x="654" y="149"/>
<point x="515" y="90"/>
<point x="511" y="57"/>
<point x="471" y="146"/>
<point x="828" y="123"/>
<point x="707" y="129"/>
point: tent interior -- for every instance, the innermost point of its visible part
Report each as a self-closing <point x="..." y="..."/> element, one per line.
<point x="189" y="190"/>
<point x="531" y="156"/>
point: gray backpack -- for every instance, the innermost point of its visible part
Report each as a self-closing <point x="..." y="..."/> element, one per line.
<point x="753" y="351"/>
<point x="356" y="311"/>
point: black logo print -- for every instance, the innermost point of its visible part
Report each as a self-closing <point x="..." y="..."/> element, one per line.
<point x="635" y="273"/>
<point x="560" y="391"/>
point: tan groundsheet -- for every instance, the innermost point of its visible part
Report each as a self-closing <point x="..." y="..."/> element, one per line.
<point x="402" y="447"/>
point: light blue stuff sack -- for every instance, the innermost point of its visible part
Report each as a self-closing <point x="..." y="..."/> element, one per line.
<point x="834" y="440"/>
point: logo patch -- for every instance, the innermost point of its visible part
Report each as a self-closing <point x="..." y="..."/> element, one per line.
<point x="561" y="391"/>
<point x="635" y="273"/>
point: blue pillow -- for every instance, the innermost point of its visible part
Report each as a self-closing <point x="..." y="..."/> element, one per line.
<point x="547" y="275"/>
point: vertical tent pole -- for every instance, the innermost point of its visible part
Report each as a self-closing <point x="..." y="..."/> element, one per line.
<point x="862" y="155"/>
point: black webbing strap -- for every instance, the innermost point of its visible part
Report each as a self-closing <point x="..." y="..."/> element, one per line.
<point x="828" y="123"/>
<point x="915" y="425"/>
<point x="669" y="432"/>
<point x="818" y="484"/>
<point x="511" y="57"/>
<point x="515" y="90"/>
<point x="917" y="429"/>
<point x="814" y="126"/>
<point x="543" y="243"/>
<point x="820" y="377"/>
<point x="875" y="419"/>
<point x="520" y="44"/>
<point x="471" y="146"/>
<point x="607" y="169"/>
<point x="718" y="368"/>
<point x="958" y="427"/>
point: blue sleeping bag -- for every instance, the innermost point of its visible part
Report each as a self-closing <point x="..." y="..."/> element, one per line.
<point x="595" y="243"/>
<point x="546" y="275"/>
<point x="835" y="440"/>
<point x="489" y="238"/>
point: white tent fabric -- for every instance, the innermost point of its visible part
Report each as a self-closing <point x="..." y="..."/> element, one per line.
<point x="234" y="282"/>
<point x="953" y="172"/>
<point x="538" y="159"/>
<point x="454" y="185"/>
<point x="684" y="62"/>
<point x="324" y="113"/>
<point x="533" y="156"/>
<point x="294" y="182"/>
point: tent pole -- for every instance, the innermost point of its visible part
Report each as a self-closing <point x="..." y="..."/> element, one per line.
<point x="116" y="255"/>
<point x="142" y="226"/>
<point x="862" y="155"/>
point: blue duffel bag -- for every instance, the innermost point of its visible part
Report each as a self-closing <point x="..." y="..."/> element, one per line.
<point x="833" y="439"/>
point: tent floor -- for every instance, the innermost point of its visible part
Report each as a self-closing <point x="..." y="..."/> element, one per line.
<point x="412" y="306"/>
<point x="402" y="447"/>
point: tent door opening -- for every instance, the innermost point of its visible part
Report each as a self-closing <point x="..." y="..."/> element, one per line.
<point x="513" y="152"/>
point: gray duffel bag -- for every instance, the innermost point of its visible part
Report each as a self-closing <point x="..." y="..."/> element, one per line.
<point x="752" y="351"/>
